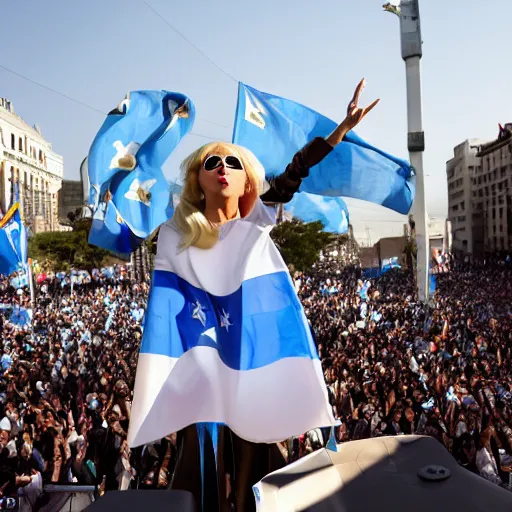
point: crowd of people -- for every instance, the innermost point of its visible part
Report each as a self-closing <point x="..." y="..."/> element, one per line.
<point x="66" y="381"/>
<point x="392" y="366"/>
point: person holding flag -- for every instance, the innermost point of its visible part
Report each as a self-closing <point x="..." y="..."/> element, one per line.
<point x="226" y="340"/>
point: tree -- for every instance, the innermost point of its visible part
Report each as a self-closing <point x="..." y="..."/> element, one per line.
<point x="300" y="243"/>
<point x="62" y="250"/>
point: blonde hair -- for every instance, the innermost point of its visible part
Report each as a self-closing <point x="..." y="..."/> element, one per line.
<point x="195" y="229"/>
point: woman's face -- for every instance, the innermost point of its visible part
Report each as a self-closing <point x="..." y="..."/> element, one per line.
<point x="222" y="174"/>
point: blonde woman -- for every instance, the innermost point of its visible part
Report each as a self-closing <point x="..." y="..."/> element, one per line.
<point x="224" y="195"/>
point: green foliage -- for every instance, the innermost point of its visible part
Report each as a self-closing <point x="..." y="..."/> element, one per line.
<point x="63" y="250"/>
<point x="300" y="243"/>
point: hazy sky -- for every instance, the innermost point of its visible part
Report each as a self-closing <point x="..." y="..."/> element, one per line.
<point x="311" y="52"/>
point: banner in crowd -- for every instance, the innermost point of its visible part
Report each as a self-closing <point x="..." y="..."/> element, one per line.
<point x="390" y="263"/>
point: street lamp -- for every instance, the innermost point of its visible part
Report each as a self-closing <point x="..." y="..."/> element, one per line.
<point x="410" y="31"/>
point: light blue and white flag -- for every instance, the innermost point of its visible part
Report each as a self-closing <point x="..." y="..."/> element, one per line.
<point x="225" y="338"/>
<point x="389" y="264"/>
<point x="129" y="194"/>
<point x="21" y="317"/>
<point x="13" y="241"/>
<point x="275" y="128"/>
<point x="331" y="211"/>
<point x="20" y="280"/>
<point x="363" y="291"/>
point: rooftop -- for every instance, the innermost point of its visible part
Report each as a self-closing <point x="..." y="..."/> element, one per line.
<point x="504" y="139"/>
<point x="7" y="106"/>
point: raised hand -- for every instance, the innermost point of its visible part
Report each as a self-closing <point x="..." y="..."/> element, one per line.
<point x="355" y="114"/>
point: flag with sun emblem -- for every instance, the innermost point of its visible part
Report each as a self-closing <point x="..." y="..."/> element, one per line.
<point x="275" y="128"/>
<point x="129" y="195"/>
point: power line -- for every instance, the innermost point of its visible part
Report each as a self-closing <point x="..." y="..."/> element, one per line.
<point x="203" y="136"/>
<point x="385" y="221"/>
<point x="52" y="90"/>
<point x="190" y="42"/>
<point x="83" y="104"/>
<point x="214" y="123"/>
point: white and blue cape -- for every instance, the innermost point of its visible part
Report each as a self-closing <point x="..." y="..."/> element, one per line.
<point x="226" y="340"/>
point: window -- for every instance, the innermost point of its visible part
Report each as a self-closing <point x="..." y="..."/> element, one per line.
<point x="20" y="144"/>
<point x="13" y="141"/>
<point x="41" y="156"/>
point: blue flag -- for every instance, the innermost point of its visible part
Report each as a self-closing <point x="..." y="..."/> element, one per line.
<point x="331" y="211"/>
<point x="275" y="128"/>
<point x="390" y="263"/>
<point x="21" y="317"/>
<point x="205" y="323"/>
<point x="432" y="284"/>
<point x="129" y="194"/>
<point x="13" y="241"/>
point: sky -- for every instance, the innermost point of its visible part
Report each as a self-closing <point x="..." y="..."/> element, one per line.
<point x="311" y="52"/>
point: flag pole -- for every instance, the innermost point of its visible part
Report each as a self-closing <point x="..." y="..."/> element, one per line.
<point x="31" y="283"/>
<point x="411" y="43"/>
<point x="28" y="262"/>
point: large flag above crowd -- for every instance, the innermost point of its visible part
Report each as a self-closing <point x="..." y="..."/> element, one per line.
<point x="275" y="128"/>
<point x="130" y="197"/>
<point x="129" y="194"/>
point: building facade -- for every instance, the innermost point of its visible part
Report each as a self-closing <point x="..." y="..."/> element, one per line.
<point x="492" y="193"/>
<point x="71" y="198"/>
<point x="28" y="159"/>
<point x="479" y="196"/>
<point x="460" y="172"/>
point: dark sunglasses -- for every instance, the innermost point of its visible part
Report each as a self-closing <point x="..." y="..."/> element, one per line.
<point x="215" y="161"/>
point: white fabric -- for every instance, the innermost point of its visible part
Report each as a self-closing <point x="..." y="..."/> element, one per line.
<point x="266" y="404"/>
<point x="252" y="403"/>
<point x="244" y="251"/>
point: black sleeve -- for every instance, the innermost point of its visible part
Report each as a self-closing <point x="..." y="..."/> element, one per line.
<point x="283" y="187"/>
